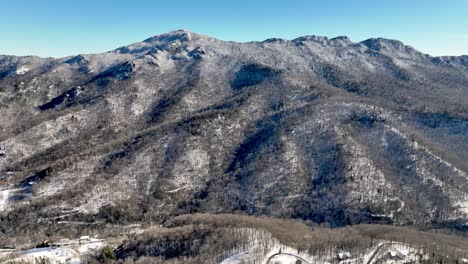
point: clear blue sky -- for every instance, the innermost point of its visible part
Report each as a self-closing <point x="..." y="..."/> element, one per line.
<point x="65" y="27"/>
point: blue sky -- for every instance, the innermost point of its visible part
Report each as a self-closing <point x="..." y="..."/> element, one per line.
<point x="65" y="27"/>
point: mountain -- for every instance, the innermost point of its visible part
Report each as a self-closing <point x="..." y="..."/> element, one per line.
<point x="327" y="131"/>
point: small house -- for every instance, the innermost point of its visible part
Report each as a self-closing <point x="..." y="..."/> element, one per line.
<point x="342" y="255"/>
<point x="85" y="239"/>
<point x="396" y="255"/>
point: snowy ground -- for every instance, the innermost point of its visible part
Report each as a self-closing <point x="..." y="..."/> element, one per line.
<point x="5" y="195"/>
<point x="236" y="258"/>
<point x="287" y="259"/>
<point x="22" y="70"/>
<point x="384" y="252"/>
<point x="278" y="253"/>
<point x="67" y="251"/>
<point x="54" y="254"/>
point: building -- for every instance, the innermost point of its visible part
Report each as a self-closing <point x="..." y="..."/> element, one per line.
<point x="396" y="255"/>
<point x="85" y="239"/>
<point x="342" y="255"/>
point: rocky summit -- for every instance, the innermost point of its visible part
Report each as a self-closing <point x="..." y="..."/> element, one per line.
<point x="323" y="130"/>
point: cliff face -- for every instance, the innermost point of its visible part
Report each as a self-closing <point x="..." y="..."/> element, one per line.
<point x="320" y="129"/>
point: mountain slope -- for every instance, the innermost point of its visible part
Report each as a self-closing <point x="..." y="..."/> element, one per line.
<point x="324" y="130"/>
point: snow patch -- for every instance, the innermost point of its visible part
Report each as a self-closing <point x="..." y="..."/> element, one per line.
<point x="5" y="195"/>
<point x="54" y="254"/>
<point x="22" y="70"/>
<point x="191" y="169"/>
<point x="67" y="251"/>
<point x="238" y="258"/>
<point x="463" y="206"/>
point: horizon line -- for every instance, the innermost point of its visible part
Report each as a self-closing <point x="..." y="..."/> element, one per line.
<point x="231" y="41"/>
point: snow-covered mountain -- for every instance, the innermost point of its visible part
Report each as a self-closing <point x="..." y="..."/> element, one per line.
<point x="324" y="130"/>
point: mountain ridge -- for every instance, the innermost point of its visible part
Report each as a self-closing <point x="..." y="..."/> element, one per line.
<point x="322" y="130"/>
<point x="186" y="35"/>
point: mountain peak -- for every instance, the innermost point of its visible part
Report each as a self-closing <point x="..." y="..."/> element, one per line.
<point x="180" y="35"/>
<point x="315" y="128"/>
<point x="166" y="40"/>
<point x="312" y="38"/>
<point x="383" y="43"/>
<point x="339" y="41"/>
<point x="393" y="48"/>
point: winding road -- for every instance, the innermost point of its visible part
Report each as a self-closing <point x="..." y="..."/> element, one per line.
<point x="371" y="259"/>
<point x="287" y="254"/>
<point x="379" y="248"/>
